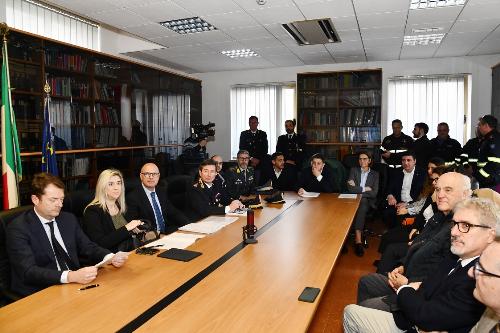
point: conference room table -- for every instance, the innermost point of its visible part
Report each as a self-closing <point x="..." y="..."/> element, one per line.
<point x="231" y="287"/>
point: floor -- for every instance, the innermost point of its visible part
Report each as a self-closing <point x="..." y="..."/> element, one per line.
<point x="342" y="287"/>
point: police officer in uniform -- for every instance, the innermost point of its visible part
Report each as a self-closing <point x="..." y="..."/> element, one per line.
<point x="255" y="142"/>
<point x="394" y="145"/>
<point x="488" y="174"/>
<point x="292" y="145"/>
<point x="445" y="147"/>
<point x="241" y="178"/>
<point x="207" y="197"/>
<point x="470" y="154"/>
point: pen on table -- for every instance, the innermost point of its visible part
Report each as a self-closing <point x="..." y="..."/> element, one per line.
<point x="89" y="286"/>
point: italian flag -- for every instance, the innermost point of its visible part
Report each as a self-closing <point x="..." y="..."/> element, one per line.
<point x="11" y="157"/>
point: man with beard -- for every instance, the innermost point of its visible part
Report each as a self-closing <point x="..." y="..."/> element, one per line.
<point x="421" y="145"/>
<point x="292" y="145"/>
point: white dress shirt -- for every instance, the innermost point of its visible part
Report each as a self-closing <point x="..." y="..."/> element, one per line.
<point x="406" y="189"/>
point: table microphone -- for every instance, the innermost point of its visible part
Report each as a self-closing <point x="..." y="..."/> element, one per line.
<point x="250" y="229"/>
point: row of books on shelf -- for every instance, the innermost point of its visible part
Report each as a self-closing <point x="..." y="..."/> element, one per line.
<point x="359" y="80"/>
<point x="317" y="119"/>
<point x="360" y="98"/>
<point x="107" y="136"/>
<point x="360" y="117"/>
<point x="105" y="69"/>
<point x="70" y="167"/>
<point x="22" y="77"/>
<point x="319" y="83"/>
<point x="319" y="101"/>
<point x="321" y="135"/>
<point x="26" y="109"/>
<point x="359" y="134"/>
<point x="104" y="91"/>
<point x="68" y="87"/>
<point x="106" y="115"/>
<point x="66" y="61"/>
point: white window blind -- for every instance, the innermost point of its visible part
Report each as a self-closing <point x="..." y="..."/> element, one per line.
<point x="43" y="20"/>
<point x="432" y="100"/>
<point x="271" y="103"/>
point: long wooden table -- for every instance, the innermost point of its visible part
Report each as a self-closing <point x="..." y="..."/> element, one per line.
<point x="255" y="289"/>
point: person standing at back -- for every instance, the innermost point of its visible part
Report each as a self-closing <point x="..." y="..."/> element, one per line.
<point x="394" y="145"/>
<point x="255" y="142"/>
<point x="445" y="147"/>
<point x="488" y="174"/>
<point x="422" y="144"/>
<point x="292" y="145"/>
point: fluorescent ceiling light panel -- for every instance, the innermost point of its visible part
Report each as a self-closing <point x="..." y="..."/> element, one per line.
<point x="243" y="53"/>
<point x="425" y="30"/>
<point x="188" y="25"/>
<point x="424" y="4"/>
<point x="416" y="40"/>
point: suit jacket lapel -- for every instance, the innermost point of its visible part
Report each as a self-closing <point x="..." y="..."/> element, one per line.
<point x="40" y="235"/>
<point x="149" y="208"/>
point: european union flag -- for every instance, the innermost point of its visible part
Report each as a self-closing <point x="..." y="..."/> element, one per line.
<point x="49" y="163"/>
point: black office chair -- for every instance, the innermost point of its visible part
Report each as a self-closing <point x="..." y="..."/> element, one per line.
<point x="177" y="187"/>
<point x="76" y="201"/>
<point x="7" y="216"/>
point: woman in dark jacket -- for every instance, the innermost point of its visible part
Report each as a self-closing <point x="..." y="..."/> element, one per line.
<point x="103" y="218"/>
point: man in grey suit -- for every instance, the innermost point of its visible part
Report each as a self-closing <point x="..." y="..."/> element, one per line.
<point x="362" y="180"/>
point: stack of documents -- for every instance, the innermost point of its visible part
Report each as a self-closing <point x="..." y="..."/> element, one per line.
<point x="209" y="225"/>
<point x="347" y="196"/>
<point x="176" y="240"/>
<point x="309" y="194"/>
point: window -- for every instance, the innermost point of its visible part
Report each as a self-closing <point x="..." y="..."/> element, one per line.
<point x="272" y="103"/>
<point x="431" y="99"/>
<point x="43" y="20"/>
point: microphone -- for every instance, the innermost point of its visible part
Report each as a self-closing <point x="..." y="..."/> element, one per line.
<point x="250" y="229"/>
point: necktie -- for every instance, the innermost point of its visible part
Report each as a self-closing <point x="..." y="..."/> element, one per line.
<point x="457" y="267"/>
<point x="290" y="136"/>
<point x="159" y="217"/>
<point x="62" y="257"/>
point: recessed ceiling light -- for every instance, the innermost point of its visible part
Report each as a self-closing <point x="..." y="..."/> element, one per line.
<point x="243" y="53"/>
<point x="188" y="25"/>
<point x="423" y="39"/>
<point x="425" y="30"/>
<point x="423" y="4"/>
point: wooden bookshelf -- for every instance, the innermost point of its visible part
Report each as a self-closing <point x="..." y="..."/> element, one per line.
<point x="339" y="112"/>
<point x="87" y="93"/>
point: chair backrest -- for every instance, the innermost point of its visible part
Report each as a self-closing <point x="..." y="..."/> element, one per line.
<point x="350" y="161"/>
<point x="6" y="217"/>
<point x="383" y="180"/>
<point x="339" y="174"/>
<point x="76" y="201"/>
<point x="177" y="186"/>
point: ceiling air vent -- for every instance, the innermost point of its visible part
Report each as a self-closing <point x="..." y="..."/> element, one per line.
<point x="310" y="32"/>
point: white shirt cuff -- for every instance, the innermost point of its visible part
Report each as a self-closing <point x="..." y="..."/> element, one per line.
<point x="319" y="178"/>
<point x="64" y="277"/>
<point x="400" y="288"/>
<point x="226" y="209"/>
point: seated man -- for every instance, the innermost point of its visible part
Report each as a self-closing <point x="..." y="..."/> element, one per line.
<point x="208" y="198"/>
<point x="44" y="244"/>
<point x="281" y="176"/>
<point x="404" y="186"/>
<point x="486" y="272"/>
<point x="241" y="178"/>
<point x="424" y="254"/>
<point x="317" y="178"/>
<point x="444" y="301"/>
<point x="150" y="202"/>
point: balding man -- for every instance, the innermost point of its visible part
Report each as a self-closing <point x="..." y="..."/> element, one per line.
<point x="444" y="301"/>
<point x="150" y="202"/>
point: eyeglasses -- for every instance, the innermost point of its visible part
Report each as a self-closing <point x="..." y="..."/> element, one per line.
<point x="464" y="227"/>
<point x="150" y="174"/>
<point x="478" y="267"/>
<point x="434" y="179"/>
<point x="244" y="158"/>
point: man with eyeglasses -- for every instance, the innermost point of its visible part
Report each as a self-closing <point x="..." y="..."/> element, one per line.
<point x="149" y="201"/>
<point x="444" y="301"/>
<point x="241" y="178"/>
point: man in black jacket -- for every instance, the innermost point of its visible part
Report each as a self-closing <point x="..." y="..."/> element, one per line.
<point x="207" y="197"/>
<point x="150" y="202"/>
<point x="445" y="147"/>
<point x="282" y="177"/>
<point x="255" y="142"/>
<point x="394" y="145"/>
<point x="444" y="301"/>
<point x="317" y="178"/>
<point x="488" y="174"/>
<point x="292" y="145"/>
<point x="421" y="145"/>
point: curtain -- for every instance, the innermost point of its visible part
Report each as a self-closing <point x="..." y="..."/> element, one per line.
<point x="431" y="99"/>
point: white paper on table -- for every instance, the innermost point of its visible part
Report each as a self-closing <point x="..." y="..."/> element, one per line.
<point x="220" y="219"/>
<point x="178" y="240"/>
<point x="347" y="196"/>
<point x="203" y="227"/>
<point x="309" y="194"/>
<point x="265" y="188"/>
<point x="237" y="212"/>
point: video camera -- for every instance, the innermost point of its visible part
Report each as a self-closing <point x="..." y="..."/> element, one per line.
<point x="203" y="131"/>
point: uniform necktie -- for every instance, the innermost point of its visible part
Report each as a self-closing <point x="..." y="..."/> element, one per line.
<point x="62" y="257"/>
<point x="290" y="136"/>
<point x="458" y="265"/>
<point x="159" y="218"/>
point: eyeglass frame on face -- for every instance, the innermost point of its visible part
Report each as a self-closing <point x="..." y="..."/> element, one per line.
<point x="468" y="226"/>
<point x="434" y="179"/>
<point x="477" y="266"/>
<point x="150" y="174"/>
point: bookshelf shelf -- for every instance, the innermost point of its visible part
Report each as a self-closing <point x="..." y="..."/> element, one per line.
<point x="24" y="62"/>
<point x="23" y="92"/>
<point x="339" y="110"/>
<point x="66" y="71"/>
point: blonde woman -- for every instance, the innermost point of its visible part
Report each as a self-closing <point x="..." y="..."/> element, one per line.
<point x="103" y="218"/>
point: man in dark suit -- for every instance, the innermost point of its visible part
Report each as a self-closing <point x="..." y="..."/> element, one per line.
<point x="282" y="177"/>
<point x="316" y="178"/>
<point x="404" y="187"/>
<point x="255" y="142"/>
<point x="421" y="145"/>
<point x="292" y="145"/>
<point x="150" y="202"/>
<point x="444" y="301"/>
<point x="44" y="244"/>
<point x="445" y="147"/>
<point x="220" y="177"/>
<point x="207" y="197"/>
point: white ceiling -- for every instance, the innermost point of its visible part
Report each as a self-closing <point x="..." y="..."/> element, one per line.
<point x="370" y="30"/>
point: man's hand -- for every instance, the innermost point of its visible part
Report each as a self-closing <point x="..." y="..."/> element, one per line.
<point x="254" y="162"/>
<point x="401" y="211"/>
<point x="397" y="280"/>
<point x="415" y="285"/>
<point x="235" y="204"/>
<point x="367" y="188"/>
<point x="119" y="259"/>
<point x="391" y="200"/>
<point x="290" y="162"/>
<point x="83" y="275"/>
<point x="300" y="191"/>
<point x="132" y="226"/>
<point x="316" y="172"/>
<point x="412" y="233"/>
<point x="351" y="182"/>
<point x="399" y="269"/>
